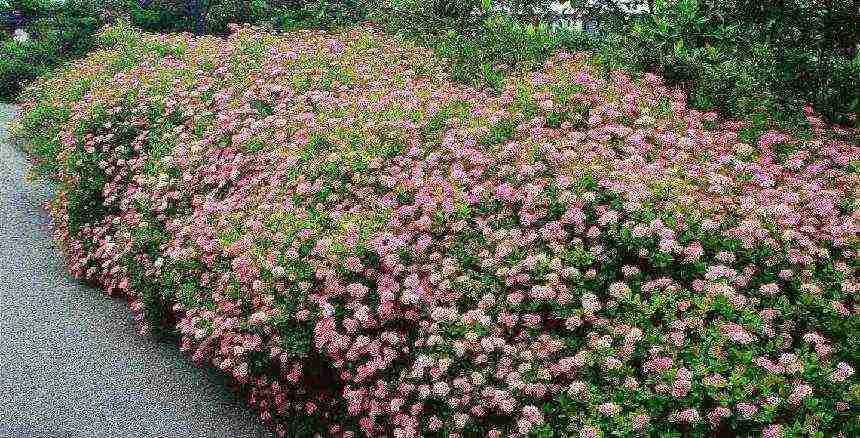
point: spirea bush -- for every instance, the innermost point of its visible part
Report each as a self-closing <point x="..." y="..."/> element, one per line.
<point x="371" y="249"/>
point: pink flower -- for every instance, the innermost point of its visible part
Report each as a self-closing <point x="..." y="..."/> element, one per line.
<point x="588" y="432"/>
<point x="609" y="409"/>
<point x="353" y="264"/>
<point x="532" y="414"/>
<point x="515" y="298"/>
<point x="524" y="426"/>
<point x="717" y="414"/>
<point x="737" y="333"/>
<point x="590" y="302"/>
<point x="746" y="410"/>
<point x="357" y="290"/>
<point x="799" y="392"/>
<point x="689" y="415"/>
<point x="842" y="372"/>
<point x="771" y="431"/>
<point x="258" y="318"/>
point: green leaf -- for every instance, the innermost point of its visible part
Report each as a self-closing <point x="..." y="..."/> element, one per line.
<point x="679" y="49"/>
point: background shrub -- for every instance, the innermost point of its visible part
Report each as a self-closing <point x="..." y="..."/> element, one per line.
<point x="214" y="16"/>
<point x="199" y="16"/>
<point x="58" y="31"/>
<point x="317" y="14"/>
<point x="62" y="31"/>
<point x="738" y="57"/>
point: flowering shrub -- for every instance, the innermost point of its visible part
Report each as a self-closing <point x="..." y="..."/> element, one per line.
<point x="373" y="250"/>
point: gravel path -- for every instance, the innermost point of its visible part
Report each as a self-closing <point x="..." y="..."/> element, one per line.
<point x="71" y="362"/>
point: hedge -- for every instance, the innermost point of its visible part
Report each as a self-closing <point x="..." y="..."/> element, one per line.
<point x="371" y="249"/>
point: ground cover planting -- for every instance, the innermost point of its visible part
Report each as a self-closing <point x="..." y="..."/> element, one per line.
<point x="370" y="249"/>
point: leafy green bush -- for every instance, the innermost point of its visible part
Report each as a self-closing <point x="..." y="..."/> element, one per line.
<point x="162" y="16"/>
<point x="318" y="14"/>
<point x="20" y="63"/>
<point x="200" y="16"/>
<point x="214" y="16"/>
<point x="487" y="55"/>
<point x="738" y="55"/>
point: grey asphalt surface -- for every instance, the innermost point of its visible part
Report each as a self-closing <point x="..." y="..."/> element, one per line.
<point x="71" y="361"/>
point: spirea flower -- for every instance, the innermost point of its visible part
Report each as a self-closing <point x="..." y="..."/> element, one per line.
<point x="333" y="222"/>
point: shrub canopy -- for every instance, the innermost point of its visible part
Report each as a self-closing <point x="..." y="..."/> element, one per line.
<point x="372" y="249"/>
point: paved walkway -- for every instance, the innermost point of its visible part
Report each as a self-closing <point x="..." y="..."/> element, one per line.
<point x="71" y="362"/>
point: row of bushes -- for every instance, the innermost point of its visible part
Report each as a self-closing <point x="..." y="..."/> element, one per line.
<point x="738" y="57"/>
<point x="214" y="16"/>
<point x="372" y="249"/>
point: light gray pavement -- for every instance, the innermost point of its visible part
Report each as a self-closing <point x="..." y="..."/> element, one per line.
<point x="71" y="361"/>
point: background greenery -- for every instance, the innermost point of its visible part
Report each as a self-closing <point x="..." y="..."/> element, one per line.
<point x="59" y="31"/>
<point x="747" y="59"/>
<point x="743" y="58"/>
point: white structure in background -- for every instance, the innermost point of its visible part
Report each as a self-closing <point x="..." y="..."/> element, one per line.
<point x="582" y="24"/>
<point x="560" y="8"/>
<point x="20" y="36"/>
<point x="585" y="24"/>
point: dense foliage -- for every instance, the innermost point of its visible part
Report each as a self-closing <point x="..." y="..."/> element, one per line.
<point x="58" y="32"/>
<point x="61" y="31"/>
<point x="214" y="16"/>
<point x="372" y="249"/>
<point x="746" y="59"/>
<point x="740" y="57"/>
